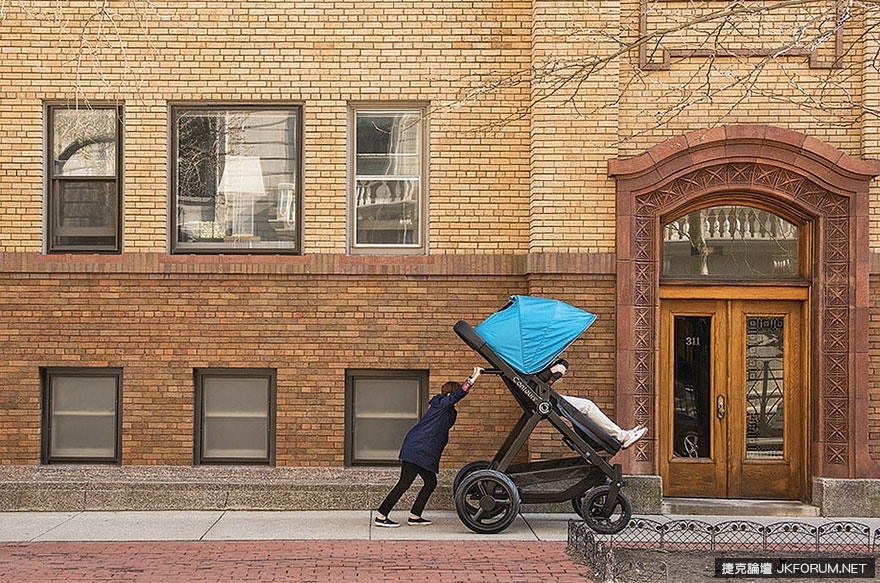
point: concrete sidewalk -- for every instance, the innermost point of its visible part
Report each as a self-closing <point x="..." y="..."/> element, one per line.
<point x="203" y="525"/>
<point x="228" y="525"/>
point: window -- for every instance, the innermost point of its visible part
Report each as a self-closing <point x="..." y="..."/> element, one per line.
<point x="84" y="186"/>
<point x="730" y="241"/>
<point x="236" y="179"/>
<point x="388" y="181"/>
<point x="381" y="407"/>
<point x="82" y="415"/>
<point x="235" y="416"/>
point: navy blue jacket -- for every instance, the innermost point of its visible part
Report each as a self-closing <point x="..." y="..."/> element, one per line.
<point x="424" y="443"/>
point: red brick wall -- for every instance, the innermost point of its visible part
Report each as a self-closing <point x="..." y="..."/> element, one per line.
<point x="158" y="321"/>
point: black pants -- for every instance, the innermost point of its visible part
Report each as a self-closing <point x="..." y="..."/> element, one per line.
<point x="408" y="473"/>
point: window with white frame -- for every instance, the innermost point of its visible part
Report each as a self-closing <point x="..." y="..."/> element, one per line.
<point x="84" y="165"/>
<point x="388" y="153"/>
<point x="382" y="405"/>
<point x="235" y="416"/>
<point x="82" y="415"/>
<point x="236" y="179"/>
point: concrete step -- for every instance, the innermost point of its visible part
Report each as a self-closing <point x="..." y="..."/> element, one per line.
<point x="737" y="507"/>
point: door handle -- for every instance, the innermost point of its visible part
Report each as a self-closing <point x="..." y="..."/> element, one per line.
<point x="719" y="407"/>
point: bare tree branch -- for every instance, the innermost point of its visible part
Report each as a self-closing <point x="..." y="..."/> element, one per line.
<point x="722" y="69"/>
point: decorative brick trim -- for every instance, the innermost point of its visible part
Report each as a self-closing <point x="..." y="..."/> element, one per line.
<point x="668" y="55"/>
<point x="312" y="264"/>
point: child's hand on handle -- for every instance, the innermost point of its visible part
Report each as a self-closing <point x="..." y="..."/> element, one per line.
<point x="475" y="375"/>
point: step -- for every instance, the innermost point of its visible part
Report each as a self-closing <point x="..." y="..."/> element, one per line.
<point x="737" y="507"/>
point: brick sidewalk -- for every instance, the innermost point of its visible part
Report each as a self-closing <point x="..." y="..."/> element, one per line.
<point x="295" y="561"/>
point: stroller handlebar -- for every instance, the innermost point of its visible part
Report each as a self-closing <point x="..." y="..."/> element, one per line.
<point x="470" y="336"/>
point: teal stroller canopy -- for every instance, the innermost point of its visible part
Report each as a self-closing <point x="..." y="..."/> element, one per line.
<point x="530" y="332"/>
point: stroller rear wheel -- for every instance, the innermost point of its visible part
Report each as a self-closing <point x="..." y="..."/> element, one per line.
<point x="487" y="501"/>
<point x="468" y="469"/>
<point x="591" y="507"/>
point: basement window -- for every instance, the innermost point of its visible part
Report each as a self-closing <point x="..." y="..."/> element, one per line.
<point x="235" y="416"/>
<point x="82" y="415"/>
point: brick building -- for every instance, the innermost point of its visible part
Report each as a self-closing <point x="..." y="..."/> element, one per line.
<point x="241" y="233"/>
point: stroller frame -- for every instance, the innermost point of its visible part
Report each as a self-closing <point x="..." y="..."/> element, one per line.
<point x="488" y="493"/>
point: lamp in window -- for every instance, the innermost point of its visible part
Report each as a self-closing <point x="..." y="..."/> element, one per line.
<point x="242" y="184"/>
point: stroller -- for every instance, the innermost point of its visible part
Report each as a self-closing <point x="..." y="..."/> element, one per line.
<point x="519" y="341"/>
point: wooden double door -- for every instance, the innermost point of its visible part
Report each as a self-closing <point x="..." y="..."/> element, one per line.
<point x="733" y="392"/>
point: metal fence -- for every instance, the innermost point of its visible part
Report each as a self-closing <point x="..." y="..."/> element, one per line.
<point x="599" y="551"/>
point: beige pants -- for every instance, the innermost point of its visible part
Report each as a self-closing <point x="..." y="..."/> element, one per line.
<point x="594" y="414"/>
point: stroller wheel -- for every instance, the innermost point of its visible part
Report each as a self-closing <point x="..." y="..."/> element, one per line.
<point x="487" y="501"/>
<point x="576" y="505"/>
<point x="467" y="469"/>
<point x="591" y="507"/>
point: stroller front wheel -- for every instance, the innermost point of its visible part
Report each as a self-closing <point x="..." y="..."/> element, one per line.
<point x="591" y="507"/>
<point x="487" y="501"/>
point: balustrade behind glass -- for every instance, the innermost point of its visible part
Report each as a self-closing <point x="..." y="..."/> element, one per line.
<point x="725" y="241"/>
<point x="388" y="167"/>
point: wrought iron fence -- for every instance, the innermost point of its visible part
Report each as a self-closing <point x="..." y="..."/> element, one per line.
<point x="609" y="564"/>
<point x="599" y="551"/>
<point x="789" y="535"/>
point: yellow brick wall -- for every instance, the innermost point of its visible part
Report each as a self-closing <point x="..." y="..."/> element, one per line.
<point x="529" y="179"/>
<point x="784" y="91"/>
<point x="574" y="131"/>
<point x="322" y="55"/>
<point x="870" y="124"/>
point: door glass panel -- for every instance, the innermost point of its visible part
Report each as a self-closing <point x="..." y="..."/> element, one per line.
<point x="692" y="381"/>
<point x="730" y="241"/>
<point x="764" y="387"/>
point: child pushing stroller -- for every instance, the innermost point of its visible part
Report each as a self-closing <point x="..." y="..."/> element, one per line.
<point x="421" y="451"/>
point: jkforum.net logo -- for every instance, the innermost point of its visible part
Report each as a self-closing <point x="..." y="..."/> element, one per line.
<point x="850" y="568"/>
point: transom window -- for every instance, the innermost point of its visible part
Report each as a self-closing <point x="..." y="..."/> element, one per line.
<point x="382" y="405"/>
<point x="236" y="179"/>
<point x="388" y="180"/>
<point x="82" y="415"/>
<point x="84" y="162"/>
<point x="235" y="416"/>
<point x="730" y="241"/>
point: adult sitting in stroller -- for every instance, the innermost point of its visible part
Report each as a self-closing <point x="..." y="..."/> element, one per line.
<point x="520" y="341"/>
<point x="626" y="437"/>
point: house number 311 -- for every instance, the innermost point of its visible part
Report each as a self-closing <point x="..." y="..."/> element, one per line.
<point x="692" y="341"/>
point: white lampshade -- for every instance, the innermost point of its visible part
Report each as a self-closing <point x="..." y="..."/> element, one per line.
<point x="243" y="175"/>
<point x="242" y="184"/>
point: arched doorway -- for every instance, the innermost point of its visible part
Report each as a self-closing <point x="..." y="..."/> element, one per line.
<point x="794" y="176"/>
<point x="732" y="388"/>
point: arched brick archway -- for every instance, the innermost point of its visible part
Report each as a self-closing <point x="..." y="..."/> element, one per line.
<point x="789" y="170"/>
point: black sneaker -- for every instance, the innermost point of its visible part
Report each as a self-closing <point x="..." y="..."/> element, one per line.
<point x="418" y="521"/>
<point x="385" y="522"/>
